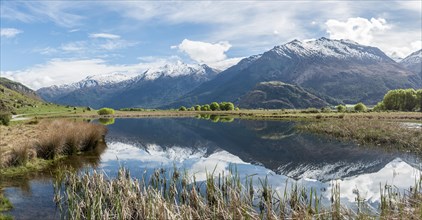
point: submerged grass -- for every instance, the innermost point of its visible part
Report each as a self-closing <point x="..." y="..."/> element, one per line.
<point x="386" y="134"/>
<point x="176" y="195"/>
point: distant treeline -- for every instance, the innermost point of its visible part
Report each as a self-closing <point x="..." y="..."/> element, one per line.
<point x="214" y="106"/>
<point x="401" y="100"/>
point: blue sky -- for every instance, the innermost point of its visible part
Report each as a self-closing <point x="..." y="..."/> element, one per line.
<point x="54" y="42"/>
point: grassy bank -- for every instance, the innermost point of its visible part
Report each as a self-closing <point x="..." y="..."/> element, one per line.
<point x="41" y="144"/>
<point x="369" y="131"/>
<point x="175" y="195"/>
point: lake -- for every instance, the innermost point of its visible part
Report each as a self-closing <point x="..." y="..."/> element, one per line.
<point x="262" y="149"/>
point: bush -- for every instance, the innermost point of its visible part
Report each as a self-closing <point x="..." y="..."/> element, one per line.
<point x="360" y="107"/>
<point x="106" y="111"/>
<point x="182" y="108"/>
<point x="5" y="118"/>
<point x="326" y="109"/>
<point x="197" y="108"/>
<point x="310" y="110"/>
<point x="341" y="108"/>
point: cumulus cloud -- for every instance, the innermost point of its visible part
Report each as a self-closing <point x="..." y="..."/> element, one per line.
<point x="9" y="32"/>
<point x="212" y="54"/>
<point x="357" y="29"/>
<point x="104" y="35"/>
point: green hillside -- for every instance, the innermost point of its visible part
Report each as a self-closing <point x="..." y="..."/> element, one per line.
<point x="16" y="98"/>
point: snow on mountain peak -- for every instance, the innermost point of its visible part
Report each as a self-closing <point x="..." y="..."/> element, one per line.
<point x="174" y="70"/>
<point x="96" y="80"/>
<point x="325" y="47"/>
<point x="413" y="58"/>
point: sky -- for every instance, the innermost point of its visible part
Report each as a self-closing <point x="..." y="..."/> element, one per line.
<point x="46" y="43"/>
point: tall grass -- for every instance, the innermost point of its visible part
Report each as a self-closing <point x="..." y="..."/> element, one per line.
<point x="369" y="131"/>
<point x="59" y="138"/>
<point x="176" y="195"/>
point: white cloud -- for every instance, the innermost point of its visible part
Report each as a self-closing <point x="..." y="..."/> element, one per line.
<point x="204" y="52"/>
<point x="9" y="32"/>
<point x="357" y="29"/>
<point x="104" y="35"/>
<point x="212" y="54"/>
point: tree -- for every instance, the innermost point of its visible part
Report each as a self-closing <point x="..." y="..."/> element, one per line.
<point x="205" y="107"/>
<point x="106" y="111"/>
<point x="182" y="108"/>
<point x="229" y="106"/>
<point x="214" y="106"/>
<point x="402" y="100"/>
<point x="341" y="108"/>
<point x="360" y="107"/>
<point x="197" y="108"/>
<point x="379" y="107"/>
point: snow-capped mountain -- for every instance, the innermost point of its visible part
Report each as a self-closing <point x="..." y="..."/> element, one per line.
<point x="107" y="89"/>
<point x="337" y="71"/>
<point x="413" y="62"/>
<point x="325" y="48"/>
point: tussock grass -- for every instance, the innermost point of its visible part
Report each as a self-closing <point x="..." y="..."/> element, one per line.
<point x="58" y="138"/>
<point x="176" y="195"/>
<point x="385" y="134"/>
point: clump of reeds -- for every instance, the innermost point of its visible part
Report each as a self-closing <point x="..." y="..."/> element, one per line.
<point x="369" y="131"/>
<point x="59" y="138"/>
<point x="63" y="137"/>
<point x="176" y="195"/>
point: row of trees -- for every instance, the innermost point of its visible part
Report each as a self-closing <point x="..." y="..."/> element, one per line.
<point x="360" y="107"/>
<point x="401" y="100"/>
<point x="214" y="106"/>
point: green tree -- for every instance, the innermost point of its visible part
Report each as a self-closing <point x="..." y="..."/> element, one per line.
<point x="182" y="108"/>
<point x="401" y="100"/>
<point x="205" y="107"/>
<point x="341" y="108"/>
<point x="214" y="106"/>
<point x="197" y="108"/>
<point x="360" y="107"/>
<point x="106" y="111"/>
<point x="229" y="106"/>
<point x="379" y="107"/>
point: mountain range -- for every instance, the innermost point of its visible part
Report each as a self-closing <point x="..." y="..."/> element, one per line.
<point x="297" y="74"/>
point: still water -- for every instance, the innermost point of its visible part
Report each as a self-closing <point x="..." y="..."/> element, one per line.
<point x="272" y="149"/>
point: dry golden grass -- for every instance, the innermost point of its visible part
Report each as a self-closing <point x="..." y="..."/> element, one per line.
<point x="47" y="140"/>
<point x="364" y="130"/>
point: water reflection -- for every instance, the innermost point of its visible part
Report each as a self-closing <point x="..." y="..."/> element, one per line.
<point x="275" y="145"/>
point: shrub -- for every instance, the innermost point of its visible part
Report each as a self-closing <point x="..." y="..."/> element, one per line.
<point x="197" y="108"/>
<point x="106" y="111"/>
<point x="341" y="108"/>
<point x="182" y="108"/>
<point x="5" y="118"/>
<point x="310" y="110"/>
<point x="325" y="109"/>
<point x="360" y="107"/>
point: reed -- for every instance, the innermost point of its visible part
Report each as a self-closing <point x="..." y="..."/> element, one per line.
<point x="177" y="195"/>
<point x="58" y="138"/>
<point x="369" y="131"/>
